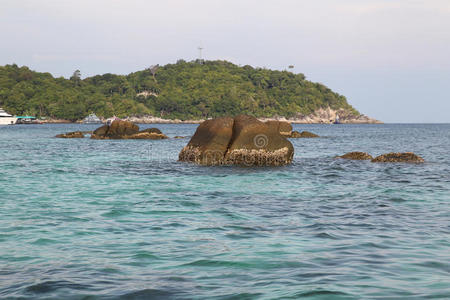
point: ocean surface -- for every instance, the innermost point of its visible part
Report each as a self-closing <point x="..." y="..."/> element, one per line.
<point x="122" y="219"/>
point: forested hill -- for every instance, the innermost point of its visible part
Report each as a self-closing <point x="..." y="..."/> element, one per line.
<point x="184" y="90"/>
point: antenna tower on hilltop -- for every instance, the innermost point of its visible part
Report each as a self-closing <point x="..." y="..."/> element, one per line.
<point x="200" y="53"/>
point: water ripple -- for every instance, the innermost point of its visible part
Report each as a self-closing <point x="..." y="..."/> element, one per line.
<point x="90" y="219"/>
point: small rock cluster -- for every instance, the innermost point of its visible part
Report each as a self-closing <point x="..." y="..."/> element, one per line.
<point x="406" y="157"/>
<point x="71" y="135"/>
<point x="119" y="130"/>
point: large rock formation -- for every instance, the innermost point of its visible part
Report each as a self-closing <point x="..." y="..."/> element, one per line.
<point x="356" y="156"/>
<point x="120" y="129"/>
<point x="210" y="142"/>
<point x="407" y="157"/>
<point x="242" y="140"/>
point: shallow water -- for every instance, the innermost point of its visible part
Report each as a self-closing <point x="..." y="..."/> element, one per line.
<point x="124" y="219"/>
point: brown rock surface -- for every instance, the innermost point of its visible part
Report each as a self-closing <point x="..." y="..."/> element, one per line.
<point x="120" y="129"/>
<point x="407" y="157"/>
<point x="303" y="134"/>
<point x="209" y="143"/>
<point x="71" y="135"/>
<point x="283" y="127"/>
<point x="152" y="130"/>
<point x="243" y="141"/>
<point x="143" y="135"/>
<point x="356" y="156"/>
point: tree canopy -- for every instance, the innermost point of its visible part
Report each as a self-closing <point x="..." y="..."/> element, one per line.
<point x="184" y="90"/>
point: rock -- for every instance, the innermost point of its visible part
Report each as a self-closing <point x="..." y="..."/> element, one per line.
<point x="356" y="156"/>
<point x="179" y="137"/>
<point x="152" y="130"/>
<point x="120" y="129"/>
<point x="144" y="135"/>
<point x="71" y="135"/>
<point x="283" y="127"/>
<point x="406" y="157"/>
<point x="303" y="134"/>
<point x="242" y="141"/>
<point x="101" y="131"/>
<point x="209" y="143"/>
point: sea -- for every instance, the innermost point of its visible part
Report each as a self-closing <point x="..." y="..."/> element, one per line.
<point x="123" y="219"/>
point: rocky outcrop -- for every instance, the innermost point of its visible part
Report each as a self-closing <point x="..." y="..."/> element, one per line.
<point x="242" y="140"/>
<point x="209" y="143"/>
<point x="101" y="131"/>
<point x="120" y="129"/>
<point x="320" y="116"/>
<point x="356" y="156"/>
<point x="303" y="134"/>
<point x="406" y="157"/>
<point x="71" y="135"/>
<point x="327" y="116"/>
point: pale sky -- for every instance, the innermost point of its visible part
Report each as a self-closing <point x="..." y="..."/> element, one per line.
<point x="390" y="58"/>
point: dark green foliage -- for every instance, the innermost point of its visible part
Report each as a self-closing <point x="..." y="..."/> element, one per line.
<point x="185" y="90"/>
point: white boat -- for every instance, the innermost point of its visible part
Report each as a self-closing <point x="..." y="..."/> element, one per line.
<point x="6" y="119"/>
<point x="92" y="119"/>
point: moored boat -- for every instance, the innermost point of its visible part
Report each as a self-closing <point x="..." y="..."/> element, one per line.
<point x="27" y="120"/>
<point x="92" y="119"/>
<point x="6" y="119"/>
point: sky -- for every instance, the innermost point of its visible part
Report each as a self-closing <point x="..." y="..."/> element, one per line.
<point x="390" y="58"/>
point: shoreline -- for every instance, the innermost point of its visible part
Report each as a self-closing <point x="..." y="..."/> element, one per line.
<point x="200" y="121"/>
<point x="320" y="116"/>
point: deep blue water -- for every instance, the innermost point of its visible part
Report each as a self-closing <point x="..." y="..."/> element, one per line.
<point x="83" y="218"/>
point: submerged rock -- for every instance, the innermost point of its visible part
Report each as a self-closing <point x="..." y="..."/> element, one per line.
<point x="120" y="129"/>
<point x="356" y="156"/>
<point x="242" y="140"/>
<point x="406" y="157"/>
<point x="71" y="135"/>
<point x="303" y="134"/>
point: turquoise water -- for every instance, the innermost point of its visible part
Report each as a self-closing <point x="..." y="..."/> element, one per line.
<point x="94" y="219"/>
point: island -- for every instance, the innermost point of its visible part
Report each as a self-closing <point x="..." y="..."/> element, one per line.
<point x="183" y="92"/>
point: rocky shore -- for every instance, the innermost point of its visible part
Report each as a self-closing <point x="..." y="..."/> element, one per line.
<point x="156" y="120"/>
<point x="320" y="116"/>
<point x="327" y="116"/>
